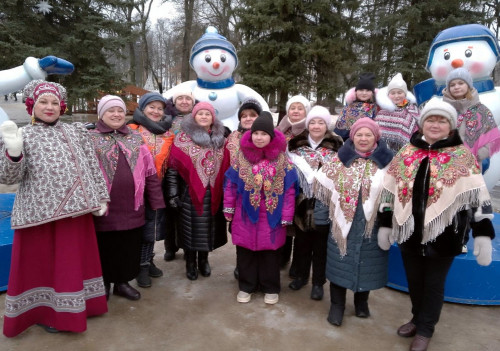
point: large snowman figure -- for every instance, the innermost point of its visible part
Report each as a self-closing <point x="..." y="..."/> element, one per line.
<point x="16" y="78"/>
<point x="214" y="60"/>
<point x="474" y="47"/>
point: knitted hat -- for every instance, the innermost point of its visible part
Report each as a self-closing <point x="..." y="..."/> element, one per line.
<point x="203" y="106"/>
<point x="459" y="73"/>
<point x="264" y="123"/>
<point x="150" y="97"/>
<point x="38" y="88"/>
<point x="319" y="112"/>
<point x="437" y="107"/>
<point x="365" y="122"/>
<point x="182" y="92"/>
<point x="366" y="81"/>
<point x="212" y="40"/>
<point x="397" y="82"/>
<point x="249" y="104"/>
<point x="109" y="101"/>
<point x="299" y="98"/>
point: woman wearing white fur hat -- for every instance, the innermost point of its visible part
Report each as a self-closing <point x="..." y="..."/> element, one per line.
<point x="398" y="115"/>
<point x="431" y="185"/>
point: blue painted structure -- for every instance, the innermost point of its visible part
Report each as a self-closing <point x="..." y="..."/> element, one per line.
<point x="6" y="237"/>
<point x="467" y="282"/>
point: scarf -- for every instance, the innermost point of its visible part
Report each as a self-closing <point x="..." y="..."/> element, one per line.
<point x="291" y="129"/>
<point x="455" y="183"/>
<point x="354" y="111"/>
<point x="157" y="128"/>
<point x="233" y="144"/>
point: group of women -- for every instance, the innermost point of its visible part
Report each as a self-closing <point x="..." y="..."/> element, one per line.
<point x="387" y="175"/>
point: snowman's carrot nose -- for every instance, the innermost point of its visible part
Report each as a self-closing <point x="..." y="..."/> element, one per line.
<point x="215" y="65"/>
<point x="456" y="63"/>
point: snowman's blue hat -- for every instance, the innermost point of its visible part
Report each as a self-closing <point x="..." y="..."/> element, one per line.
<point x="466" y="32"/>
<point x="212" y="40"/>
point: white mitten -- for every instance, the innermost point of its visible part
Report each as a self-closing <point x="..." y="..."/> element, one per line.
<point x="483" y="250"/>
<point x="12" y="138"/>
<point x="385" y="239"/>
<point x="102" y="211"/>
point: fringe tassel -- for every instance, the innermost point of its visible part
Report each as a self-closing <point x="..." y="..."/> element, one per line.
<point x="307" y="188"/>
<point x="322" y="193"/>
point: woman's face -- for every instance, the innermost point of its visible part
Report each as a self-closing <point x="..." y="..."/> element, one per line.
<point x="397" y="96"/>
<point x="114" y="117"/>
<point x="364" y="140"/>
<point x="296" y="112"/>
<point x="247" y="117"/>
<point x="204" y="119"/>
<point x="184" y="104"/>
<point x="436" y="128"/>
<point x="317" y="129"/>
<point x="458" y="89"/>
<point x="364" y="94"/>
<point x="154" y="110"/>
<point x="260" y="139"/>
<point x="47" y="108"/>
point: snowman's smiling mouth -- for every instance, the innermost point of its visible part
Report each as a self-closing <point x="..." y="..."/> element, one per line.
<point x="218" y="74"/>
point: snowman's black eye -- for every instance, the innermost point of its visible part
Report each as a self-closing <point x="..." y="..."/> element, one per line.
<point x="223" y="58"/>
<point x="208" y="58"/>
<point x="468" y="53"/>
<point x="447" y="55"/>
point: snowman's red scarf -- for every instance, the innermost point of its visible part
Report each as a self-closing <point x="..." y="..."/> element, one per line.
<point x="200" y="167"/>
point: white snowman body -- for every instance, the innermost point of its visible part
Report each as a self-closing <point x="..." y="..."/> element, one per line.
<point x="479" y="56"/>
<point x="214" y="61"/>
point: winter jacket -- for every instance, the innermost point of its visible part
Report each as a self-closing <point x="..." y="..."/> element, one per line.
<point x="58" y="173"/>
<point x="257" y="228"/>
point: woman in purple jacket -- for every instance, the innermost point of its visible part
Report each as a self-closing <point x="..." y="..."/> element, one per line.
<point x="259" y="199"/>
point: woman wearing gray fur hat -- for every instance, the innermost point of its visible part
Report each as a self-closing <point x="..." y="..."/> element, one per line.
<point x="197" y="162"/>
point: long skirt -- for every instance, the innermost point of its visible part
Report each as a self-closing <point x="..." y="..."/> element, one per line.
<point x="55" y="277"/>
<point x="120" y="252"/>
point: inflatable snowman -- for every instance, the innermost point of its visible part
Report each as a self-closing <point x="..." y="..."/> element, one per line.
<point x="474" y="47"/>
<point x="16" y="78"/>
<point x="214" y="60"/>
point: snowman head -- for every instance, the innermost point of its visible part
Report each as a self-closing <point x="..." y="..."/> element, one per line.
<point x="471" y="46"/>
<point x="213" y="58"/>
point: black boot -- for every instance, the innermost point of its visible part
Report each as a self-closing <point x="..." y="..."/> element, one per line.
<point x="191" y="271"/>
<point x="361" y="304"/>
<point x="143" y="279"/>
<point x="107" y="289"/>
<point x="203" y="264"/>
<point x="297" y="283"/>
<point x="170" y="246"/>
<point x="154" y="271"/>
<point x="337" y="307"/>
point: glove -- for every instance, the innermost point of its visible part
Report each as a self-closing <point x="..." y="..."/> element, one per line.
<point x="483" y="250"/>
<point x="55" y="65"/>
<point x="102" y="211"/>
<point x="12" y="138"/>
<point x="174" y="202"/>
<point x="385" y="239"/>
<point x="485" y="165"/>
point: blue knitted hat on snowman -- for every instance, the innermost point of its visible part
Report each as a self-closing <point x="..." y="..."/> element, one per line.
<point x="212" y="40"/>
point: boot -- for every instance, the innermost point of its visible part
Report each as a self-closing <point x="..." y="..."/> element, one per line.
<point x="191" y="271"/>
<point x="361" y="304"/>
<point x="170" y="247"/>
<point x="143" y="279"/>
<point x="107" y="288"/>
<point x="125" y="290"/>
<point x="154" y="271"/>
<point x="337" y="307"/>
<point x="203" y="264"/>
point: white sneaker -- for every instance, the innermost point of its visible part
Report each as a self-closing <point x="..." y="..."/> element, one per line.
<point x="465" y="249"/>
<point x="243" y="297"/>
<point x="271" y="299"/>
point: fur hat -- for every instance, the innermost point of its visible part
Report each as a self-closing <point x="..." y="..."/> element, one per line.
<point x="264" y="123"/>
<point x="437" y="107"/>
<point x="459" y="73"/>
<point x="299" y="98"/>
<point x="38" y="88"/>
<point x="397" y="82"/>
<point x="365" y="122"/>
<point x="204" y="106"/>
<point x="150" y="97"/>
<point x="366" y="81"/>
<point x="249" y="104"/>
<point x="319" y="112"/>
<point x="109" y="101"/>
<point x="182" y="92"/>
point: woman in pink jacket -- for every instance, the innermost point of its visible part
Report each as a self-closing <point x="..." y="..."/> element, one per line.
<point x="259" y="199"/>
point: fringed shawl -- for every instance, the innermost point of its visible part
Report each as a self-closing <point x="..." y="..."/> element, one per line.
<point x="455" y="183"/>
<point x="109" y="143"/>
<point x="265" y="171"/>
<point x="339" y="183"/>
<point x="233" y="144"/>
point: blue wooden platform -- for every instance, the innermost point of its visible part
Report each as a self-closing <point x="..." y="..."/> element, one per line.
<point x="467" y="282"/>
<point x="6" y="237"/>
